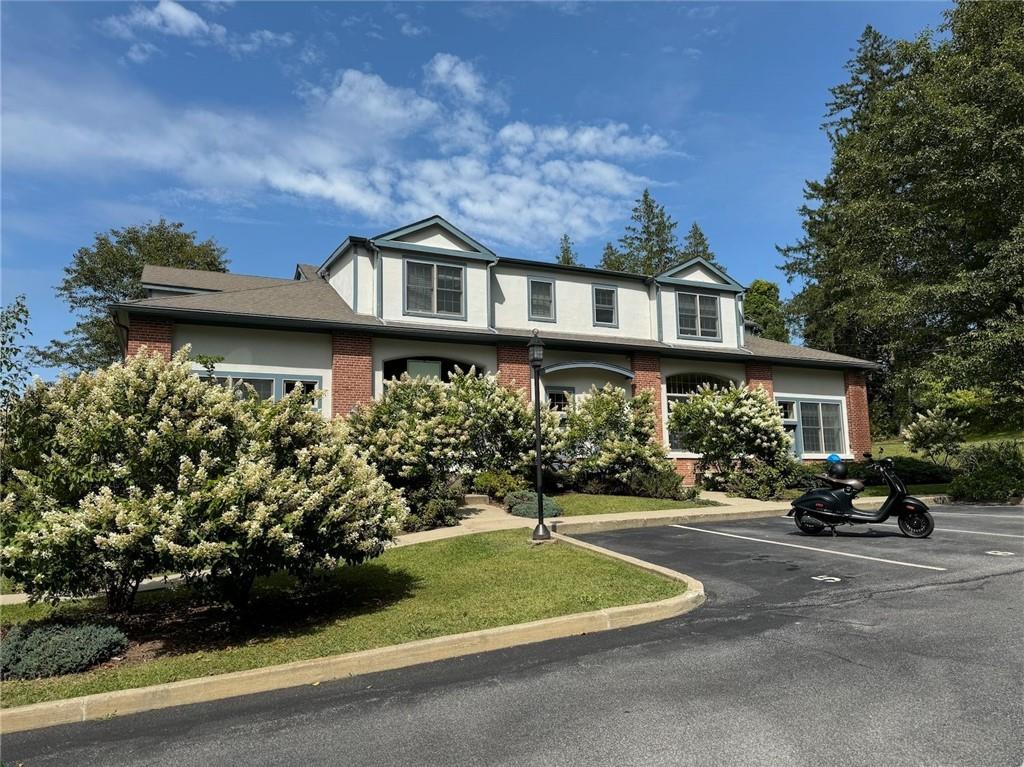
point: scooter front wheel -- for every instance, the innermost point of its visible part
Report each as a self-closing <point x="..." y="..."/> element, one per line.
<point x="917" y="524"/>
<point x="808" y="524"/>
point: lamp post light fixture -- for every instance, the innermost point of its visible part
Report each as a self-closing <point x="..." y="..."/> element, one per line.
<point x="536" y="350"/>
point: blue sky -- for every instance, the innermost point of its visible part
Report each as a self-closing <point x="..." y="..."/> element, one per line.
<point x="279" y="128"/>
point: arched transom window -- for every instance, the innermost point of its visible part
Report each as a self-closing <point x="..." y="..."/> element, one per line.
<point x="681" y="387"/>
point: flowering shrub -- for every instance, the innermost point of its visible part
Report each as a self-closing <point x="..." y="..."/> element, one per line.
<point x="294" y="497"/>
<point x="739" y="434"/>
<point x="92" y="491"/>
<point x="424" y="435"/>
<point x="149" y="468"/>
<point x="610" y="445"/>
<point x="935" y="434"/>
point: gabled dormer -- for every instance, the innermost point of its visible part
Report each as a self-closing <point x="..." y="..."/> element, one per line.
<point x="700" y="304"/>
<point x="430" y="272"/>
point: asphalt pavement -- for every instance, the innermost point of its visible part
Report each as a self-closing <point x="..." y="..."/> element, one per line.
<point x="866" y="648"/>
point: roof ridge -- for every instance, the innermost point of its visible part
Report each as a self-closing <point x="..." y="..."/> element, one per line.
<point x="217" y="271"/>
<point x="205" y="294"/>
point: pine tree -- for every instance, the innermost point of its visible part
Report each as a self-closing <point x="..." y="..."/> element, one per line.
<point x="696" y="246"/>
<point x="566" y="252"/>
<point x="649" y="245"/>
<point x="763" y="306"/>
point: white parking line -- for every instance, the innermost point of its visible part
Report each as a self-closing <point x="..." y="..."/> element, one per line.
<point x="1010" y="515"/>
<point x="966" y="532"/>
<point x="810" y="548"/>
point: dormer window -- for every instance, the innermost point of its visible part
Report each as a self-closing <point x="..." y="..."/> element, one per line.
<point x="434" y="289"/>
<point x="699" y="316"/>
<point x="542" y="299"/>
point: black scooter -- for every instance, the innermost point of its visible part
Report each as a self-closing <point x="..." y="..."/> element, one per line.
<point x="825" y="508"/>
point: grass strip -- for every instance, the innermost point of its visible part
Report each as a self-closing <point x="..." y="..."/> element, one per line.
<point x="580" y="504"/>
<point x="415" y="592"/>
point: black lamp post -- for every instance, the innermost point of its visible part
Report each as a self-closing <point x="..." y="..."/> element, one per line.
<point x="536" y="348"/>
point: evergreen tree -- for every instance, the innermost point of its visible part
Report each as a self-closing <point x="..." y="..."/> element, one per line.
<point x="110" y="271"/>
<point x="911" y="240"/>
<point x="696" y="246"/>
<point x="649" y="245"/>
<point x="763" y="306"/>
<point x="566" y="253"/>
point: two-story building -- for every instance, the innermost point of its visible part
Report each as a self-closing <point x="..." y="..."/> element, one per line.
<point x="427" y="297"/>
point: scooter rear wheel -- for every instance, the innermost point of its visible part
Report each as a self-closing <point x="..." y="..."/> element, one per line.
<point x="917" y="524"/>
<point x="808" y="524"/>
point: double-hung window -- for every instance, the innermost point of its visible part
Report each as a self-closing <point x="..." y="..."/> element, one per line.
<point x="606" y="305"/>
<point x="244" y="387"/>
<point x="434" y="289"/>
<point x="699" y="316"/>
<point x="542" y="299"/>
<point x="815" y="427"/>
<point x="821" y="427"/>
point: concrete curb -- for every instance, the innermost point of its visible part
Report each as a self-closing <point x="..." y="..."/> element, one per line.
<point x="298" y="673"/>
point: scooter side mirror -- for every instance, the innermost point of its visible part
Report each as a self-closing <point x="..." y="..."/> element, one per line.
<point x="868" y="456"/>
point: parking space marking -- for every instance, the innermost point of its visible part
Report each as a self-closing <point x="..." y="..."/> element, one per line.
<point x="811" y="548"/>
<point x="1010" y="515"/>
<point x="966" y="532"/>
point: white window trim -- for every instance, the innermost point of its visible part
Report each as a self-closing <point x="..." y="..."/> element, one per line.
<point x="845" y="454"/>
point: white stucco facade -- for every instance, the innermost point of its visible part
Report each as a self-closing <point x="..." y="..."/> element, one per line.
<point x="277" y="354"/>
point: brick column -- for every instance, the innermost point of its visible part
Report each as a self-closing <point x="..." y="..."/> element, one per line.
<point x="156" y="335"/>
<point x="351" y="372"/>
<point x="514" y="369"/>
<point x="857" y="414"/>
<point x="647" y="377"/>
<point x="760" y="375"/>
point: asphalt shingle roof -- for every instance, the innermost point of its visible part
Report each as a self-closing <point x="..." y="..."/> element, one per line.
<point x="312" y="299"/>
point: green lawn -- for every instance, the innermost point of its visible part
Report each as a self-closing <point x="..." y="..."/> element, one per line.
<point x="895" y="446"/>
<point x="579" y="504"/>
<point x="415" y="592"/>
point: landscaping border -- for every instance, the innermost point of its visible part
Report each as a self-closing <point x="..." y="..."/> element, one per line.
<point x="187" y="691"/>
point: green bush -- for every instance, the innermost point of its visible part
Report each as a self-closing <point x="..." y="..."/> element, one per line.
<point x="913" y="471"/>
<point x="436" y="505"/>
<point x="609" y="444"/>
<point x="992" y="471"/>
<point x="740" y="437"/>
<point x="422" y="434"/>
<point x="523" y="503"/>
<point x="766" y="481"/>
<point x="30" y="652"/>
<point x="660" y="481"/>
<point x="497" y="484"/>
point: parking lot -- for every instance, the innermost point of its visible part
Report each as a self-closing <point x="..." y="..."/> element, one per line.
<point x="769" y="561"/>
<point x="865" y="648"/>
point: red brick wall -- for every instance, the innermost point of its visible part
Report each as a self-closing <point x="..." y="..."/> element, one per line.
<point x="514" y="369"/>
<point x="155" y="335"/>
<point x="857" y="412"/>
<point x="759" y="374"/>
<point x="647" y="377"/>
<point x="687" y="469"/>
<point x="351" y="371"/>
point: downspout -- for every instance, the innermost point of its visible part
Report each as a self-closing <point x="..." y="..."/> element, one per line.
<point x="122" y="334"/>
<point x="657" y="299"/>
<point x="378" y="269"/>
<point x="490" y="298"/>
<point x="741" y="331"/>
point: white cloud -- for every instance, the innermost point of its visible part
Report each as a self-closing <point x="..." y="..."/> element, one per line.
<point x="170" y="18"/>
<point x="362" y="144"/>
<point x="166" y="17"/>
<point x="460" y="77"/>
<point x="609" y="140"/>
<point x="141" y="52"/>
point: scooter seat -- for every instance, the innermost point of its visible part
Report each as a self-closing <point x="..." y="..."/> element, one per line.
<point x="854" y="485"/>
